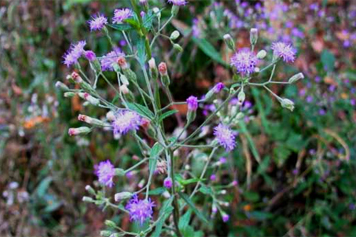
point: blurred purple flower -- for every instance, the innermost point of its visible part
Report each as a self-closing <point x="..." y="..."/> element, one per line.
<point x="90" y="55"/>
<point x="98" y="22"/>
<point x="192" y="102"/>
<point x="218" y="87"/>
<point x="284" y="51"/>
<point x="126" y="120"/>
<point x="109" y="59"/>
<point x="225" y="136"/>
<point x="178" y="2"/>
<point x="140" y="210"/>
<point x="121" y="14"/>
<point x="105" y="172"/>
<point x="244" y="61"/>
<point x="74" y="53"/>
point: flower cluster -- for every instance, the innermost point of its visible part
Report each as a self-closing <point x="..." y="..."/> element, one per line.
<point x="126" y="120"/>
<point x="121" y="14"/>
<point x="105" y="172"/>
<point x="244" y="61"/>
<point x="98" y="22"/>
<point x="109" y="59"/>
<point x="140" y="210"/>
<point x="284" y="51"/>
<point x="225" y="136"/>
<point x="74" y="53"/>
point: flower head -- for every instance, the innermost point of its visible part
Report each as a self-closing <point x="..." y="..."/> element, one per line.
<point x="167" y="182"/>
<point x="225" y="136"/>
<point x="126" y="120"/>
<point x="121" y="14"/>
<point x="225" y="217"/>
<point x="109" y="59"/>
<point x="105" y="172"/>
<point x="284" y="51"/>
<point x="90" y="55"/>
<point x="74" y="53"/>
<point x="218" y="87"/>
<point x="244" y="61"/>
<point x="98" y="22"/>
<point x="140" y="210"/>
<point x="178" y="2"/>
<point x="192" y="102"/>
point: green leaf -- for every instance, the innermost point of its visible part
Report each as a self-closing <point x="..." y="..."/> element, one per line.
<point x="260" y="215"/>
<point x="166" y="114"/>
<point x="250" y="141"/>
<point x="209" y="50"/>
<point x="189" y="181"/>
<point x="191" y="205"/>
<point x="154" y="153"/>
<point x="251" y="196"/>
<point x="165" y="211"/>
<point x="148" y="19"/>
<point x="142" y="110"/>
<point x="328" y="60"/>
<point x="184" y="220"/>
<point x="206" y="190"/>
<point x="141" y="51"/>
<point x="43" y="186"/>
<point x="157" y="191"/>
<point x="121" y="27"/>
<point x="133" y="22"/>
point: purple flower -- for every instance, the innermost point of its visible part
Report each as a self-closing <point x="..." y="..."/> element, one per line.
<point x="284" y="51"/>
<point x="213" y="177"/>
<point x="218" y="87"/>
<point x="225" y="217"/>
<point x="109" y="59"/>
<point x="192" y="102"/>
<point x="225" y="136"/>
<point x="244" y="61"/>
<point x="140" y="210"/>
<point x="126" y="120"/>
<point x="74" y="53"/>
<point x="98" y="22"/>
<point x="121" y="14"/>
<point x="167" y="182"/>
<point x="105" y="172"/>
<point x="90" y="55"/>
<point x="178" y="2"/>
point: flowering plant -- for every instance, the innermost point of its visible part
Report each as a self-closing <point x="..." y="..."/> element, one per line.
<point x="139" y="113"/>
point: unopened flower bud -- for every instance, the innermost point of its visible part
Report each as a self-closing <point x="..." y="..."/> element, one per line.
<point x="175" y="34"/>
<point x="77" y="131"/>
<point x="86" y="96"/>
<point x="287" y="103"/>
<point x="167" y="183"/>
<point x="225" y="217"/>
<point x="76" y="77"/>
<point x="261" y="54"/>
<point x="253" y="36"/>
<point x="153" y="68"/>
<point x="124" y="89"/>
<point x="192" y="103"/>
<point x="61" y="86"/>
<point x="119" y="172"/>
<point x="124" y="80"/>
<point x="69" y="94"/>
<point x="296" y="78"/>
<point x="229" y="42"/>
<point x="157" y="12"/>
<point x="106" y="233"/>
<point x="110" y="116"/>
<point x="122" y="196"/>
<point x="90" y="120"/>
<point x="87" y="199"/>
<point x="90" y="55"/>
<point x="175" y="10"/>
<point x="110" y="224"/>
<point x="162" y="68"/>
<point x="178" y="47"/>
<point x="122" y="62"/>
<point x="241" y="97"/>
<point x="90" y="189"/>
